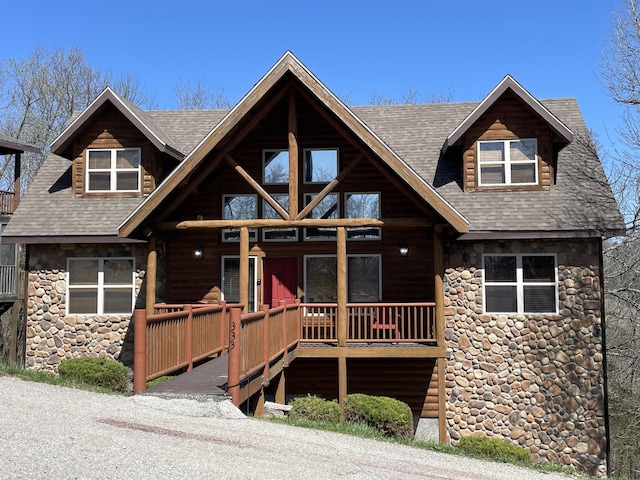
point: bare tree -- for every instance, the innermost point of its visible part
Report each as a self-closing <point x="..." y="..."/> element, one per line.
<point x="411" y="96"/>
<point x="620" y="74"/>
<point x="200" y="96"/>
<point x="39" y="95"/>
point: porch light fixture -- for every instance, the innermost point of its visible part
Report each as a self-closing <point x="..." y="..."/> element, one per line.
<point x="404" y="251"/>
<point x="198" y="253"/>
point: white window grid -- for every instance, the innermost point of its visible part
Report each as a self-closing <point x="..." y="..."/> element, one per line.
<point x="100" y="286"/>
<point x="113" y="170"/>
<point x="519" y="283"/>
<point x="507" y="162"/>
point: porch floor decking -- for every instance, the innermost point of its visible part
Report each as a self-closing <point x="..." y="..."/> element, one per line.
<point x="209" y="378"/>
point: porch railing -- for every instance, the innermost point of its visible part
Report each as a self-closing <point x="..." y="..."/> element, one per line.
<point x="8" y="280"/>
<point x="7" y="201"/>
<point x="370" y="322"/>
<point x="177" y="337"/>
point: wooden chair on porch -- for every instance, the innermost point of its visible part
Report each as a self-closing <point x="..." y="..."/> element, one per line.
<point x="385" y="320"/>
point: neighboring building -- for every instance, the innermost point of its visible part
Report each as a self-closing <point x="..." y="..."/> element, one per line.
<point x="487" y="218"/>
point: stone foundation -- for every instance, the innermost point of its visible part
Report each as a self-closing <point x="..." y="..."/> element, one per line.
<point x="535" y="380"/>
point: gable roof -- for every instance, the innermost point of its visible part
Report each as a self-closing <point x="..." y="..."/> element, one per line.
<point x="508" y="83"/>
<point x="288" y="63"/>
<point x="149" y="128"/>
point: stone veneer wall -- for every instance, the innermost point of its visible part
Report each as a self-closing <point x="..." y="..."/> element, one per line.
<point x="53" y="334"/>
<point x="536" y="380"/>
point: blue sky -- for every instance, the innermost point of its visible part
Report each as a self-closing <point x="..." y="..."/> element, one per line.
<point x="356" y="48"/>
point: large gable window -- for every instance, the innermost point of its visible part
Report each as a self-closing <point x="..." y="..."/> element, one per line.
<point x="508" y="162"/>
<point x="101" y="285"/>
<point x="362" y="205"/>
<point x="275" y="167"/>
<point x="520" y="283"/>
<point x="326" y="209"/>
<point x="113" y="170"/>
<point x="239" y="207"/>
<point x="320" y="165"/>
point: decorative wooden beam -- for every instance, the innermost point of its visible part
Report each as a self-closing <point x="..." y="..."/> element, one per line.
<point x="305" y="222"/>
<point x="342" y="286"/>
<point x="257" y="187"/>
<point x="244" y="268"/>
<point x="293" y="154"/>
<point x="330" y="186"/>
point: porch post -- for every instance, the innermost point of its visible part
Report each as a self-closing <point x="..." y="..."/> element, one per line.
<point x="438" y="266"/>
<point x="342" y="287"/>
<point x="16" y="181"/>
<point x="244" y="268"/>
<point x="139" y="351"/>
<point x="151" y="274"/>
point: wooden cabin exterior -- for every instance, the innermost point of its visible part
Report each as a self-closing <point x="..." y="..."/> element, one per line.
<point x="446" y="255"/>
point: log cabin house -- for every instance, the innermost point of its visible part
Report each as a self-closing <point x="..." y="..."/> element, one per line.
<point x="447" y="255"/>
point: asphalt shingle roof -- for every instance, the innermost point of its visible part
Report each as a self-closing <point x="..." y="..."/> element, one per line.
<point x="580" y="200"/>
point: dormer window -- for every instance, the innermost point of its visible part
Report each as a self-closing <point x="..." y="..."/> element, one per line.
<point x="508" y="162"/>
<point x="113" y="170"/>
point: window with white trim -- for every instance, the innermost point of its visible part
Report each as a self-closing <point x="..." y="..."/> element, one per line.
<point x="520" y="283"/>
<point x="231" y="281"/>
<point x="289" y="234"/>
<point x="239" y="207"/>
<point x="508" y="162"/>
<point x="113" y="170"/>
<point x="364" y="278"/>
<point x="100" y="286"/>
<point x="327" y="208"/>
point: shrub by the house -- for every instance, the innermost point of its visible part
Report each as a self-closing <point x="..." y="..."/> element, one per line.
<point x="315" y="409"/>
<point x="101" y="372"/>
<point x="390" y="416"/>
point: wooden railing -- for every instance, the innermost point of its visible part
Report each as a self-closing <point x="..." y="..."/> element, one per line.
<point x="366" y="322"/>
<point x="259" y="347"/>
<point x="8" y="279"/>
<point x="7" y="201"/>
<point x="176" y="338"/>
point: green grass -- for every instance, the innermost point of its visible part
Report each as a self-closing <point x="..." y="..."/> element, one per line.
<point x="52" y="379"/>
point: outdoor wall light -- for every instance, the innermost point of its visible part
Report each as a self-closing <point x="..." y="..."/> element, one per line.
<point x="198" y="253"/>
<point x="404" y="251"/>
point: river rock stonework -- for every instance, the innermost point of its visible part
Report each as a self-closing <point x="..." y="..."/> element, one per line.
<point x="535" y="380"/>
<point x="52" y="333"/>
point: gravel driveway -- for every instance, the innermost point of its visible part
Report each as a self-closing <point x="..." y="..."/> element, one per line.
<point x="55" y="432"/>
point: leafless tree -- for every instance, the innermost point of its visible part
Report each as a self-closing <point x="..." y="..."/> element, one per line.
<point x="411" y="96"/>
<point x="620" y="74"/>
<point x="39" y="95"/>
<point x="199" y="95"/>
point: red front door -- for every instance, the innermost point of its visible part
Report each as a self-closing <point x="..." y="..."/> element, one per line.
<point x="280" y="280"/>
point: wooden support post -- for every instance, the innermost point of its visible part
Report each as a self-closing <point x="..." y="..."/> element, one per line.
<point x="293" y="155"/>
<point x="244" y="268"/>
<point x="265" y="345"/>
<point x="139" y="351"/>
<point x="189" y="337"/>
<point x="151" y="274"/>
<point x="223" y="328"/>
<point x="259" y="410"/>
<point x="342" y="380"/>
<point x="16" y="181"/>
<point x="438" y="266"/>
<point x="233" y="378"/>
<point x="342" y="286"/>
<point x="281" y="396"/>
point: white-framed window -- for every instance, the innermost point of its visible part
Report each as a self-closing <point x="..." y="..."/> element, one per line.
<point x="320" y="165"/>
<point x="364" y="278"/>
<point x="97" y="285"/>
<point x="239" y="207"/>
<point x="520" y="283"/>
<point x="327" y="208"/>
<point x="277" y="234"/>
<point x="275" y="167"/>
<point x="362" y="205"/>
<point x="113" y="170"/>
<point x="508" y="162"/>
<point x="231" y="280"/>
